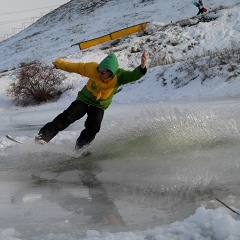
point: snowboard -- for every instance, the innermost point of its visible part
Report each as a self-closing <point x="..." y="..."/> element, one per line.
<point x="196" y="4"/>
<point x="13" y="139"/>
<point x="82" y="154"/>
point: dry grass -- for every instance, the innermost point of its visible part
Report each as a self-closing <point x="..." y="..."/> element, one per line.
<point x="36" y="83"/>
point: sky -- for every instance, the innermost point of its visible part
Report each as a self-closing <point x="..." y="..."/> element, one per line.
<point x="17" y="14"/>
<point x="146" y="103"/>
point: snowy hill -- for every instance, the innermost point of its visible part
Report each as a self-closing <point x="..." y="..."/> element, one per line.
<point x="181" y="47"/>
<point x="52" y="35"/>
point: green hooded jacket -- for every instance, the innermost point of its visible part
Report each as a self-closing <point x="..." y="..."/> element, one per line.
<point x="96" y="92"/>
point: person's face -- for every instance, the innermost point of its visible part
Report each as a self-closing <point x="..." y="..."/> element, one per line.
<point x="104" y="73"/>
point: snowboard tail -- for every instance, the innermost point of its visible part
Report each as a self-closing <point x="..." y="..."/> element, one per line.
<point x="13" y="139"/>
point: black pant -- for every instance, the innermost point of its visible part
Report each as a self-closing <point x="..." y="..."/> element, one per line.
<point x="74" y="112"/>
<point x="200" y="11"/>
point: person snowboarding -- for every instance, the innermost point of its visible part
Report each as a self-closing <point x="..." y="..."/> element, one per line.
<point x="95" y="97"/>
<point x="200" y="7"/>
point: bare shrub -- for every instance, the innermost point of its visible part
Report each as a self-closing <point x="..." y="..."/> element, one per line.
<point x="210" y="64"/>
<point x="37" y="83"/>
<point x="224" y="56"/>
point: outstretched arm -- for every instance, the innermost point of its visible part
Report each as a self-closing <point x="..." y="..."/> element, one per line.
<point x="84" y="69"/>
<point x="144" y="60"/>
<point x="126" y="76"/>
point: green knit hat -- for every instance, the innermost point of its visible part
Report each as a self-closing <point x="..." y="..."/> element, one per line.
<point x="110" y="62"/>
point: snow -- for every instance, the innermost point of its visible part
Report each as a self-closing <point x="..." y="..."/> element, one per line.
<point x="52" y="36"/>
<point x="201" y="225"/>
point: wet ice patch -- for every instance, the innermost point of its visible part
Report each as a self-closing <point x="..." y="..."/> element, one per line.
<point x="9" y="234"/>
<point x="30" y="198"/>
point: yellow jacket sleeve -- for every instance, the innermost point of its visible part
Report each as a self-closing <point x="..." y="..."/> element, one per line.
<point x="84" y="69"/>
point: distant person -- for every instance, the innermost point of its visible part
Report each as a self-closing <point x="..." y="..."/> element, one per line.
<point x="200" y="7"/>
<point x="94" y="98"/>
